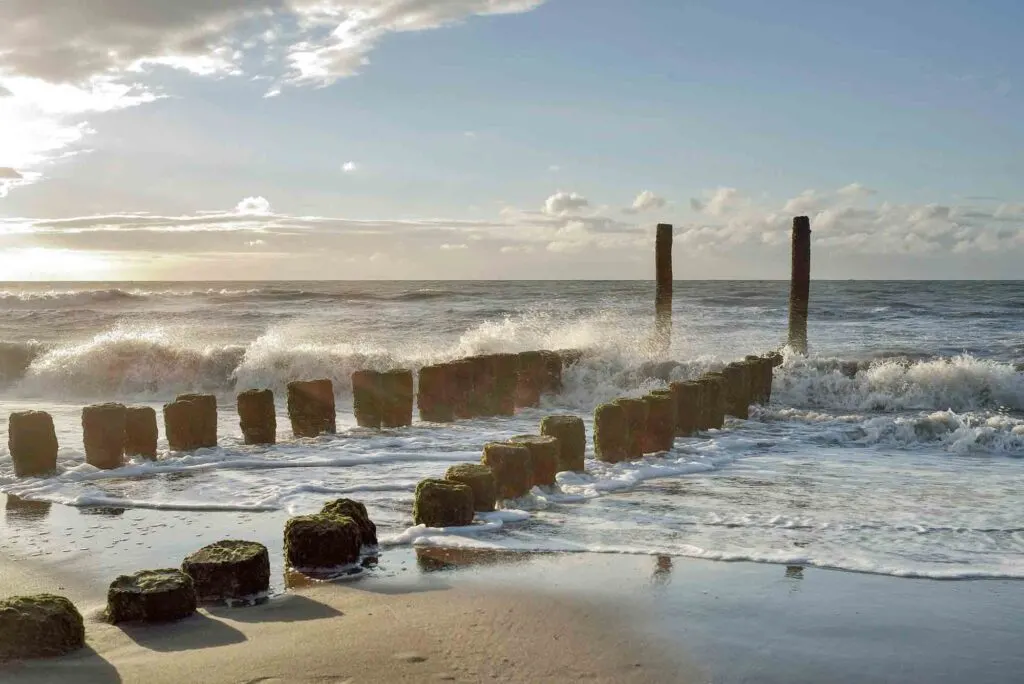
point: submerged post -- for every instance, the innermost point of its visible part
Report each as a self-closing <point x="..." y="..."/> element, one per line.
<point x="800" y="284"/>
<point x="663" y="295"/>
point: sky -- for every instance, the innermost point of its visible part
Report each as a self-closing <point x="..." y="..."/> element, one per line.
<point x="478" y="139"/>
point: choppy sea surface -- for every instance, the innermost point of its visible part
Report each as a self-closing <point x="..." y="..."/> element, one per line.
<point x="894" y="448"/>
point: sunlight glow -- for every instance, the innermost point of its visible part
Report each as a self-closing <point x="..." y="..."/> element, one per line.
<point x="40" y="263"/>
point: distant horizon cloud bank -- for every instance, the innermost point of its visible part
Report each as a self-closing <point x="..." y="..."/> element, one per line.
<point x="718" y="235"/>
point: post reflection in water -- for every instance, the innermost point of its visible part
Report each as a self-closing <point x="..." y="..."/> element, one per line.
<point x="20" y="511"/>
<point x="662" y="575"/>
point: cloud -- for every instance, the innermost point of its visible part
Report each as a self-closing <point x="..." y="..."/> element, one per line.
<point x="565" y="203"/>
<point x="256" y="206"/>
<point x="312" y="41"/>
<point x="717" y="202"/>
<point x="7" y="173"/>
<point x="349" y="167"/>
<point x="9" y="178"/>
<point x="855" y="190"/>
<point x="579" y="240"/>
<point x="61" y="61"/>
<point x="646" y="201"/>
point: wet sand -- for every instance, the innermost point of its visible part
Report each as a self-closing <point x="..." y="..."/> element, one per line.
<point x="431" y="614"/>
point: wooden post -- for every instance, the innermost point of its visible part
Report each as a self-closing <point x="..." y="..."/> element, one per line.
<point x="663" y="296"/>
<point x="800" y="285"/>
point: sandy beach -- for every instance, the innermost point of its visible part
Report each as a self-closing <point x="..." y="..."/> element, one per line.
<point x="362" y="631"/>
<point x="468" y="616"/>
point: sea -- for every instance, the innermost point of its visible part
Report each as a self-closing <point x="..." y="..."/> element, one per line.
<point x="896" y="447"/>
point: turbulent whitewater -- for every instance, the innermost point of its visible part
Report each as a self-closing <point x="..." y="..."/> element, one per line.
<point x="895" y="448"/>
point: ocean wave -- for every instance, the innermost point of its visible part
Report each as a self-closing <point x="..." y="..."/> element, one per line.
<point x="900" y="383"/>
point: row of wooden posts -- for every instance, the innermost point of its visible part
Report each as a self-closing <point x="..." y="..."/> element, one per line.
<point x="628" y="428"/>
<point x="478" y="386"/>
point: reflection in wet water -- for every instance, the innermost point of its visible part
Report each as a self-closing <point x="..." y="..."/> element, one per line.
<point x="18" y="510"/>
<point x="435" y="559"/>
<point x="662" y="571"/>
<point x="109" y="511"/>
<point x="795" y="572"/>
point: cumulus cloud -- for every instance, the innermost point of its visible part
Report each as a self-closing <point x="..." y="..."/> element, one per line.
<point x="7" y="173"/>
<point x="349" y="167"/>
<point x="718" y="202"/>
<point x="646" y="201"/>
<point x="450" y="247"/>
<point x="562" y="203"/>
<point x="253" y="205"/>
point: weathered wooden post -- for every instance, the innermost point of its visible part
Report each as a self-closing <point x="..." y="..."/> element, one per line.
<point x="663" y="295"/>
<point x="688" y="407"/>
<point x="311" y="408"/>
<point x="103" y="432"/>
<point x="636" y="418"/>
<point x="396" y="398"/>
<point x="257" y="416"/>
<point x="572" y="440"/>
<point x="32" y="441"/>
<point x="611" y="433"/>
<point x="800" y="284"/>
<point x="436" y="394"/>
<point x="140" y="432"/>
<point x="367" y="398"/>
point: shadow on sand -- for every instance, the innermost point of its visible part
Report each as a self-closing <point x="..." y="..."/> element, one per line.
<point x="287" y="608"/>
<point x="84" y="666"/>
<point x="195" y="632"/>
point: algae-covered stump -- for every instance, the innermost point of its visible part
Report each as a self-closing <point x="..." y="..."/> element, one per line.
<point x="321" y="541"/>
<point x="32" y="442"/>
<point x="512" y="466"/>
<point x="140" y="432"/>
<point x="39" y="626"/>
<point x="349" y="508"/>
<point x="544" y="456"/>
<point x="103" y="433"/>
<point x="443" y="503"/>
<point x="572" y="440"/>
<point x="151" y="596"/>
<point x="636" y="419"/>
<point x="311" y="408"/>
<point x="230" y="569"/>
<point x="257" y="416"/>
<point x="480" y="479"/>
<point x="396" y="398"/>
<point x="661" y="420"/>
<point x="436" y="393"/>
<point x="688" y="407"/>
<point x="367" y="398"/>
<point x="611" y="433"/>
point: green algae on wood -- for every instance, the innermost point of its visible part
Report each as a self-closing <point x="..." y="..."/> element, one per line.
<point x="572" y="441"/>
<point x="356" y="510"/>
<point x="480" y="479"/>
<point x="151" y="596"/>
<point x="39" y="626"/>
<point x="512" y="466"/>
<point x="442" y="503"/>
<point x="229" y="569"/>
<point x="321" y="541"/>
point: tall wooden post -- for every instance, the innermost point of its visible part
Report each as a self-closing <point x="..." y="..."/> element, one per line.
<point x="800" y="284"/>
<point x="663" y="296"/>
